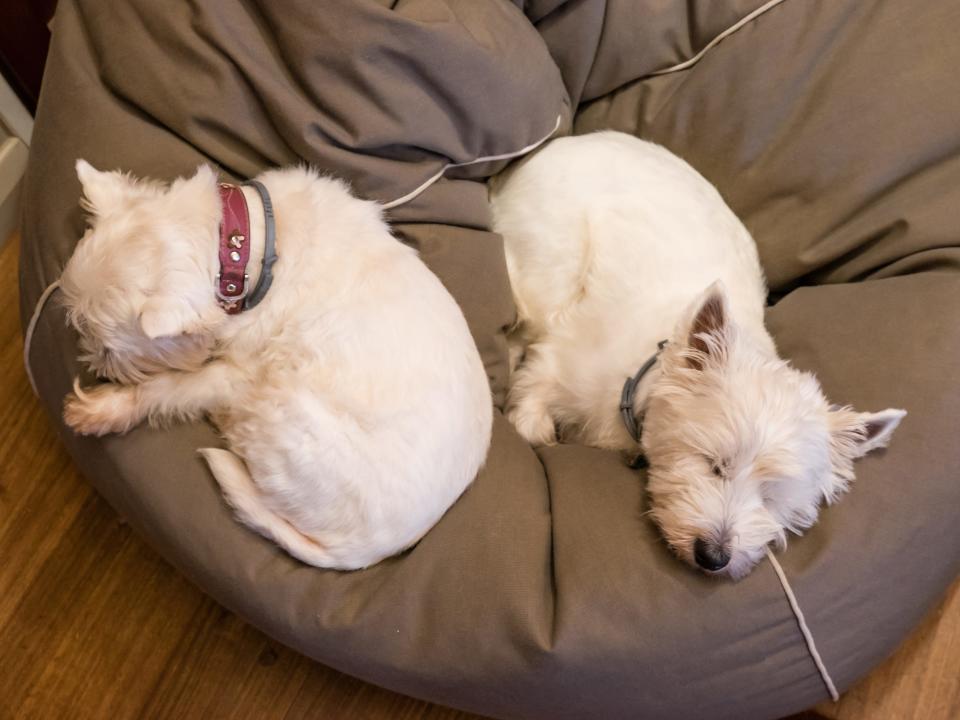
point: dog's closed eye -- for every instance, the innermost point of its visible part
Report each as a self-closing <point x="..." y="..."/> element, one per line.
<point x="716" y="467"/>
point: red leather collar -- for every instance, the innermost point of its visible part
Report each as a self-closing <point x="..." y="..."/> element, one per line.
<point x="233" y="282"/>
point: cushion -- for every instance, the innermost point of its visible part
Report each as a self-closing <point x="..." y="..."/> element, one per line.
<point x="545" y="591"/>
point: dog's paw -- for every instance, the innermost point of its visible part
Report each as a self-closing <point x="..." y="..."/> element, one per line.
<point x="105" y="409"/>
<point x="534" y="424"/>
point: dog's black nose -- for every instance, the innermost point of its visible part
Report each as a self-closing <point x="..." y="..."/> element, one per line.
<point x="710" y="555"/>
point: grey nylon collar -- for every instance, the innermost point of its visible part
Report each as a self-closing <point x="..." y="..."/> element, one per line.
<point x="269" y="248"/>
<point x="632" y="421"/>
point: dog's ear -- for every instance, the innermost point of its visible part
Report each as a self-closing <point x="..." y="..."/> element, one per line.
<point x="167" y="316"/>
<point x="103" y="191"/>
<point x="706" y="335"/>
<point x="854" y="434"/>
<point x="204" y="177"/>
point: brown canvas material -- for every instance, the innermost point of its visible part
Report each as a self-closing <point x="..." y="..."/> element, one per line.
<point x="545" y="592"/>
<point x="600" y="46"/>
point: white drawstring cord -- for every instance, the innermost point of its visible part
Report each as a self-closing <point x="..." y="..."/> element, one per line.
<point x="31" y="326"/>
<point x="804" y="630"/>
<point x="488" y="158"/>
<point x="42" y="301"/>
<point x="709" y="46"/>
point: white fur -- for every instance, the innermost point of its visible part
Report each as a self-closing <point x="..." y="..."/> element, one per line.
<point x="614" y="244"/>
<point x="352" y="397"/>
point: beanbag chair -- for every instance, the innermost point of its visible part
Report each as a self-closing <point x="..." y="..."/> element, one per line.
<point x="829" y="127"/>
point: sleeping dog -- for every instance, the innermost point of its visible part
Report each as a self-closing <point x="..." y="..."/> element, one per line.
<point x="640" y="304"/>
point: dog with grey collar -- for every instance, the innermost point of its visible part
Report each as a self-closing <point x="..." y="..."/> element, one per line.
<point x="621" y="256"/>
<point x="339" y="370"/>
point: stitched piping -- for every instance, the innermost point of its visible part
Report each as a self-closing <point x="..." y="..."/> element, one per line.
<point x="709" y="46"/>
<point x="42" y="300"/>
<point x="488" y="158"/>
<point x="31" y="326"/>
<point x="804" y="630"/>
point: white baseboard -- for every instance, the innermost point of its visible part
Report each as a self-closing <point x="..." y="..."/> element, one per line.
<point x="14" y="115"/>
<point x="13" y="161"/>
<point x="16" y="131"/>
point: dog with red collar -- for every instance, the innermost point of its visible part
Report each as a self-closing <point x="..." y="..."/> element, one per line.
<point x="337" y="367"/>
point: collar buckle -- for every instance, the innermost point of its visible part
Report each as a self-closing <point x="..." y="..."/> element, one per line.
<point x="231" y="300"/>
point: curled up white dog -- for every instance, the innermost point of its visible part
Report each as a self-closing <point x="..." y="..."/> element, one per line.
<point x="343" y="377"/>
<point x="614" y="245"/>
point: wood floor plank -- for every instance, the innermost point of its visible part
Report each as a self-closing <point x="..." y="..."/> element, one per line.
<point x="94" y="624"/>
<point x="227" y="669"/>
<point x="920" y="681"/>
<point x="339" y="696"/>
<point x="32" y="525"/>
<point x="108" y="666"/>
<point x="40" y="489"/>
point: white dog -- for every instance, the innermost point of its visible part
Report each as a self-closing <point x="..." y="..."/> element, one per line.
<point x="352" y="393"/>
<point x="613" y="245"/>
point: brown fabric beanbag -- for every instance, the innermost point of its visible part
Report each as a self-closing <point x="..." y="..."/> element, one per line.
<point x="830" y="127"/>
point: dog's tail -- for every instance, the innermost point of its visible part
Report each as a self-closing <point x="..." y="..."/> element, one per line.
<point x="245" y="498"/>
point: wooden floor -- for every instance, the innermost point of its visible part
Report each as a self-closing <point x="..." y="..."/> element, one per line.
<point x="94" y="624"/>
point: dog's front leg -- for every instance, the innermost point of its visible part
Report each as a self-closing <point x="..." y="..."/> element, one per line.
<point x="528" y="402"/>
<point x="101" y="410"/>
<point x="164" y="397"/>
